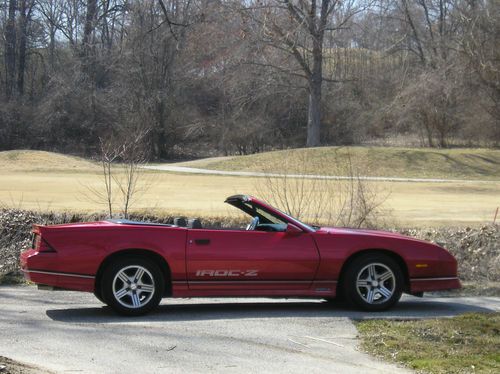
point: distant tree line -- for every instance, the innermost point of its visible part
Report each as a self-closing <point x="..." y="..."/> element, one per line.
<point x="243" y="76"/>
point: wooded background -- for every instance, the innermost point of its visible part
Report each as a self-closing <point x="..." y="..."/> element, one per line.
<point x="203" y="77"/>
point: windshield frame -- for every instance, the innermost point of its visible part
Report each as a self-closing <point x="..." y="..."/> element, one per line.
<point x="249" y="204"/>
<point x="295" y="221"/>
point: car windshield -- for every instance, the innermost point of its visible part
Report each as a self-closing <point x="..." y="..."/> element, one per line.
<point x="264" y="215"/>
<point x="293" y="220"/>
<point x="268" y="217"/>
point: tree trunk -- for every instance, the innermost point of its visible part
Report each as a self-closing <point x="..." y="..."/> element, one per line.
<point x="159" y="130"/>
<point x="10" y="50"/>
<point x="90" y="18"/>
<point x="443" y="131"/>
<point x="314" y="114"/>
<point x="24" y="11"/>
<point x="87" y="41"/>
<point x="315" y="83"/>
<point x="428" y="129"/>
<point x="52" y="44"/>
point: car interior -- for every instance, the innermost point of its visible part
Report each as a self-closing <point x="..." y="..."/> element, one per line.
<point x="262" y="220"/>
<point x="254" y="225"/>
<point x="193" y="223"/>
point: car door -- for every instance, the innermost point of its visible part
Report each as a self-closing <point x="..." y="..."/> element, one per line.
<point x="250" y="260"/>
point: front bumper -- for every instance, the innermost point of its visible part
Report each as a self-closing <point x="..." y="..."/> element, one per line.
<point x="434" y="284"/>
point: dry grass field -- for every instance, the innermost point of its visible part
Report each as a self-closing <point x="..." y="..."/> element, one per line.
<point x="40" y="161"/>
<point x="463" y="163"/>
<point x="46" y="181"/>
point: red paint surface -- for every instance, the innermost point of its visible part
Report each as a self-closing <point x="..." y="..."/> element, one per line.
<point x="207" y="262"/>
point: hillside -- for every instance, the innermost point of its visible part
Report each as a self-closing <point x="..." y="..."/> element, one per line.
<point x="368" y="161"/>
<point x="28" y="160"/>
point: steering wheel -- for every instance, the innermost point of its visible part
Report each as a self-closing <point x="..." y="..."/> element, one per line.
<point x="253" y="224"/>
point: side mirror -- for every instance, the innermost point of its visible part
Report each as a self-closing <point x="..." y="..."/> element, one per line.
<point x="292" y="229"/>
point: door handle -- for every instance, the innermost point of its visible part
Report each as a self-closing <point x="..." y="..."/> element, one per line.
<point x="202" y="241"/>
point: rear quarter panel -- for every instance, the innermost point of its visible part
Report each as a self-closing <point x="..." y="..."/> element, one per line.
<point x="82" y="249"/>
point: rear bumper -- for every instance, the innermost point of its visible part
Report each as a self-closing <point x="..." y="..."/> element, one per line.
<point x="434" y="284"/>
<point x="36" y="268"/>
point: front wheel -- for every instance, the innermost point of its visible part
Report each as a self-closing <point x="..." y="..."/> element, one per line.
<point x="373" y="282"/>
<point x="132" y="286"/>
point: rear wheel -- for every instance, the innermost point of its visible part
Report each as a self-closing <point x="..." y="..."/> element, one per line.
<point x="132" y="286"/>
<point x="373" y="282"/>
<point x="97" y="294"/>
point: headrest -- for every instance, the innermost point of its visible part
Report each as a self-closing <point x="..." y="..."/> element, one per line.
<point x="179" y="221"/>
<point x="194" y="223"/>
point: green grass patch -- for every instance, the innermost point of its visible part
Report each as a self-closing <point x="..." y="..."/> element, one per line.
<point x="469" y="343"/>
<point x="371" y="161"/>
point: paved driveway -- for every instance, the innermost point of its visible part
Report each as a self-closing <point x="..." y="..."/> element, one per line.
<point x="73" y="332"/>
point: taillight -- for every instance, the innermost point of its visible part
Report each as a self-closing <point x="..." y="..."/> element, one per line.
<point x="41" y="244"/>
<point x="34" y="242"/>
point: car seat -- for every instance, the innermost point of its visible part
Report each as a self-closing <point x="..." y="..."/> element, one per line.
<point x="194" y="223"/>
<point x="179" y="221"/>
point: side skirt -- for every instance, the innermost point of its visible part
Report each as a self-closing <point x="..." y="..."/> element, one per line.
<point x="325" y="289"/>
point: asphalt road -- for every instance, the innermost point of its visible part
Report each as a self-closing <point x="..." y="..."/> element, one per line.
<point x="69" y="332"/>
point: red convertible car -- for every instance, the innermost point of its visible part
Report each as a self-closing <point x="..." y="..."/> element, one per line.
<point x="131" y="265"/>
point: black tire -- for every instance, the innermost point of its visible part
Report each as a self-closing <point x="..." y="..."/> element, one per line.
<point x="132" y="286"/>
<point x="97" y="294"/>
<point x="373" y="282"/>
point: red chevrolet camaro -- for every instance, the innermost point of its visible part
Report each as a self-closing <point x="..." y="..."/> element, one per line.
<point x="131" y="265"/>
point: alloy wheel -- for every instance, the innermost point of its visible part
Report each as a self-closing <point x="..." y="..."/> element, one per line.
<point x="375" y="283"/>
<point x="133" y="286"/>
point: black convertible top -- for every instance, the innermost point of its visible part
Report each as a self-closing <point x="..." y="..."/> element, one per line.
<point x="234" y="198"/>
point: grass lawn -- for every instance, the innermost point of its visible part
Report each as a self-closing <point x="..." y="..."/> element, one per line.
<point x="465" y="344"/>
<point x="46" y="181"/>
<point x="370" y="161"/>
<point x="41" y="161"/>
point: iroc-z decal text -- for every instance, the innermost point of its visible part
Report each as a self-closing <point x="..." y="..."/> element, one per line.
<point x="227" y="273"/>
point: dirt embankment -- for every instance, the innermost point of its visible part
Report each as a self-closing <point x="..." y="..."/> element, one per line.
<point x="8" y="366"/>
<point x="477" y="250"/>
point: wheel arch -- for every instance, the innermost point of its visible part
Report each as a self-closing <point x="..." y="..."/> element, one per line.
<point x="395" y="256"/>
<point x="147" y="253"/>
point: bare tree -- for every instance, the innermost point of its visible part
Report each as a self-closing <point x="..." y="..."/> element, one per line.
<point x="10" y="49"/>
<point x="134" y="157"/>
<point x="480" y="46"/>
<point x="323" y="199"/>
<point x="430" y="98"/>
<point x="122" y="164"/>
<point x="25" y="11"/>
<point x="298" y="28"/>
<point x="52" y="15"/>
<point x="211" y="77"/>
<point x="109" y="154"/>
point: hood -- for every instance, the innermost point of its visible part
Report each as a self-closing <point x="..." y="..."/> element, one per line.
<point x="365" y="232"/>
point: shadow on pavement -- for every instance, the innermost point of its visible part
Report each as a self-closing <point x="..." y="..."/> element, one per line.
<point x="407" y="309"/>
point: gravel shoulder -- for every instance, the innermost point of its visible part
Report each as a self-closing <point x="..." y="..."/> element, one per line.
<point x="70" y="331"/>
